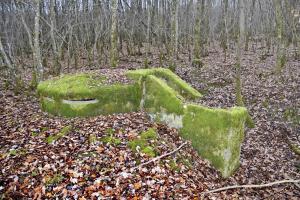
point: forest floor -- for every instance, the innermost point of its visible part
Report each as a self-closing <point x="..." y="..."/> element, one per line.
<point x="76" y="167"/>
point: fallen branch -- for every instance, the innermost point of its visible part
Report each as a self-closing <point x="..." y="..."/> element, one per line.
<point x="296" y="184"/>
<point x="159" y="157"/>
<point x="252" y="186"/>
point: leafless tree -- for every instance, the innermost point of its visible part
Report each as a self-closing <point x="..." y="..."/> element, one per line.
<point x="59" y="35"/>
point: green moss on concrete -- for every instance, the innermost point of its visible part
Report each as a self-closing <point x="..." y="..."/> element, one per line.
<point x="105" y="99"/>
<point x="73" y="86"/>
<point x="162" y="102"/>
<point x="161" y="98"/>
<point x="172" y="80"/>
<point x="216" y="134"/>
<point x="52" y="138"/>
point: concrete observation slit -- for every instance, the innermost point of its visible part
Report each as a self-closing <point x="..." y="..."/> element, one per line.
<point x="81" y="101"/>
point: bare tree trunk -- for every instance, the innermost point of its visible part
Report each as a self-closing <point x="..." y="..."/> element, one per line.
<point x="197" y="37"/>
<point x="148" y="33"/>
<point x="56" y="63"/>
<point x="224" y="38"/>
<point x="10" y="65"/>
<point x="241" y="35"/>
<point x="203" y="29"/>
<point x="36" y="43"/>
<point x="138" y="22"/>
<point x="113" y="50"/>
<point x="174" y="35"/>
<point x="280" y="55"/>
<point x="96" y="46"/>
<point x="250" y="25"/>
<point x="28" y="31"/>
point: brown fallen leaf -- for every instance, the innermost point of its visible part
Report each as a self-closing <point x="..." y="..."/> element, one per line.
<point x="99" y="149"/>
<point x="137" y="185"/>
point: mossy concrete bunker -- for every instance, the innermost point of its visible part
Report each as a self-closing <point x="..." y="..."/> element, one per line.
<point x="87" y="95"/>
<point x="216" y="134"/>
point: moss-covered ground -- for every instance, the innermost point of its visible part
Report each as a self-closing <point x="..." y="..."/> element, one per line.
<point x="144" y="143"/>
<point x="52" y="138"/>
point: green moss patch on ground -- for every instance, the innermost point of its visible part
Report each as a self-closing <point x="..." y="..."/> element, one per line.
<point x="111" y="140"/>
<point x="54" y="180"/>
<point x="216" y="134"/>
<point x="150" y="134"/>
<point x="17" y="152"/>
<point x="52" y="138"/>
<point x="143" y="143"/>
<point x="292" y="114"/>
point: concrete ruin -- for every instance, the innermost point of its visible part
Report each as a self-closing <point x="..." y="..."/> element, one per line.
<point x="216" y="134"/>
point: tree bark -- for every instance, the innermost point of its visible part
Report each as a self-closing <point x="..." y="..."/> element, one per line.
<point x="174" y="35"/>
<point x="280" y="55"/>
<point x="36" y="43"/>
<point x="197" y="32"/>
<point x="113" y="50"/>
<point x="10" y="65"/>
<point x="241" y="35"/>
<point x="56" y="63"/>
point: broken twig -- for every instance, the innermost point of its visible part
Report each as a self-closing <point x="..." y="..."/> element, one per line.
<point x="159" y="157"/>
<point x="251" y="186"/>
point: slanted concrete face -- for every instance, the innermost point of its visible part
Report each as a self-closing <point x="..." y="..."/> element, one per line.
<point x="215" y="133"/>
<point x="171" y="79"/>
<point x="162" y="103"/>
